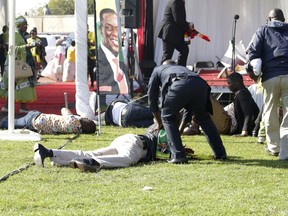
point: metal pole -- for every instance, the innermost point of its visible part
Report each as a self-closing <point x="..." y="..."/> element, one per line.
<point x="11" y="67"/>
<point x="97" y="71"/>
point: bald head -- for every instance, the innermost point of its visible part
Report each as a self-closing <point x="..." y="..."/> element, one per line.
<point x="169" y="62"/>
<point x="276" y="14"/>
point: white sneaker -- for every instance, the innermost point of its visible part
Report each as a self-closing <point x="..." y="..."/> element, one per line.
<point x="38" y="159"/>
<point x="24" y="111"/>
<point x="4" y="109"/>
<point x="261" y="140"/>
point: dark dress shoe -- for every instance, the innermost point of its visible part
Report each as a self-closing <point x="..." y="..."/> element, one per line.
<point x="40" y="153"/>
<point x="221" y="158"/>
<point x="85" y="164"/>
<point x="178" y="161"/>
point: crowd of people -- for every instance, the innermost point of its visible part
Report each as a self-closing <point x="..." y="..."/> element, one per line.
<point x="177" y="97"/>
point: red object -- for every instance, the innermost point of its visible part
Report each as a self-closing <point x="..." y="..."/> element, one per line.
<point x="196" y="33"/>
<point x="211" y="77"/>
<point x="50" y="97"/>
<point x="140" y="33"/>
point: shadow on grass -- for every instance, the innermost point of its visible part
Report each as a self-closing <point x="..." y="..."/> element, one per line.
<point x="272" y="163"/>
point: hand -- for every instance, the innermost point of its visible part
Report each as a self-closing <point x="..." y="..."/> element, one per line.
<point x="239" y="135"/>
<point x="191" y="26"/>
<point x="243" y="134"/>
<point x="29" y="46"/>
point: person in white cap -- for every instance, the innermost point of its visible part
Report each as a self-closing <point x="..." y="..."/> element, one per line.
<point x="24" y="87"/>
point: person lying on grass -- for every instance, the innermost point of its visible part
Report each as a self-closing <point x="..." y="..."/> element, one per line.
<point x="124" y="151"/>
<point x="43" y="123"/>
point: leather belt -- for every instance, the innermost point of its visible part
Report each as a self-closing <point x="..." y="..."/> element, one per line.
<point x="183" y="77"/>
<point x="123" y="114"/>
<point x="123" y="111"/>
<point x="145" y="145"/>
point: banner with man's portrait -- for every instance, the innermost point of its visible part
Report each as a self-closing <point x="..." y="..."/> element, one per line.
<point x="113" y="74"/>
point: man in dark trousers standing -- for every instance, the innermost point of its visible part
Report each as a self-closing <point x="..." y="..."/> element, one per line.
<point x="3" y="48"/>
<point x="174" y="26"/>
<point x="182" y="88"/>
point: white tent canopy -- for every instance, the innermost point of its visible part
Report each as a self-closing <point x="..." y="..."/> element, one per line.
<point x="215" y="19"/>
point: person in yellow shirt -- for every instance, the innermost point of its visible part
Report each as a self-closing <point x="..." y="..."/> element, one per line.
<point x="69" y="64"/>
<point x="91" y="56"/>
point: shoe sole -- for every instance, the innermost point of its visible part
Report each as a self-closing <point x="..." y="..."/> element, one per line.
<point x="83" y="167"/>
<point x="276" y="154"/>
<point x="37" y="157"/>
<point x="38" y="160"/>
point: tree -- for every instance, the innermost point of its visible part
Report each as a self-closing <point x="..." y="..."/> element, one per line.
<point x="67" y="7"/>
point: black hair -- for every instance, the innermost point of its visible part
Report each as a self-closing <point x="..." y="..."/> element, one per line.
<point x="87" y="125"/>
<point x="105" y="11"/>
<point x="235" y="77"/>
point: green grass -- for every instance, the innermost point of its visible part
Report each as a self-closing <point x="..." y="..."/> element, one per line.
<point x="249" y="183"/>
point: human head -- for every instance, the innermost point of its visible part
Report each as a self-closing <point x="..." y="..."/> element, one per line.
<point x="59" y="42"/>
<point x="109" y="30"/>
<point x="235" y="82"/>
<point x="169" y="62"/>
<point x="33" y="34"/>
<point x="88" y="126"/>
<point x="276" y="14"/>
<point x="5" y="28"/>
<point x="21" y="24"/>
<point x="35" y="29"/>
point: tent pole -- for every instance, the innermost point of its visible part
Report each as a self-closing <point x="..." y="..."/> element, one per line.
<point x="96" y="70"/>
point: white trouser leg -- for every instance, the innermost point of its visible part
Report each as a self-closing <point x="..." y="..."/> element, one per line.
<point x="130" y="151"/>
<point x="284" y="124"/>
<point x="270" y="113"/>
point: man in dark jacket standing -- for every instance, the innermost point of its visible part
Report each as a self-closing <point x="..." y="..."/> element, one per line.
<point x="270" y="45"/>
<point x="181" y="88"/>
<point x="174" y="26"/>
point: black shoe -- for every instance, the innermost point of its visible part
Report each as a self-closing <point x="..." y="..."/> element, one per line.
<point x="178" y="161"/>
<point x="221" y="158"/>
<point x="40" y="153"/>
<point x="85" y="164"/>
<point x="270" y="152"/>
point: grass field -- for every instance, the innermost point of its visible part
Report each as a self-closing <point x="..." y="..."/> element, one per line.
<point x="249" y="183"/>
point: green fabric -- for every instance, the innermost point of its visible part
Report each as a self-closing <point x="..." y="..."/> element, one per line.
<point x="163" y="151"/>
<point x="19" y="20"/>
<point x="27" y="94"/>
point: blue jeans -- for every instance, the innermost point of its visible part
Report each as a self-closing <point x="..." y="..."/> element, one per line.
<point x="26" y="121"/>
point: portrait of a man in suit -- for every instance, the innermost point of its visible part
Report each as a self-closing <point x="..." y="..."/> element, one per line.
<point x="113" y="77"/>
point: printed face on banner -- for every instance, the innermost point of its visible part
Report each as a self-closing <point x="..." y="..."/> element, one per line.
<point x="113" y="78"/>
<point x="109" y="31"/>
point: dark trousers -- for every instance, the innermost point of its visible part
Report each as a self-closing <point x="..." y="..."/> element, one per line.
<point x="192" y="95"/>
<point x="91" y="73"/>
<point x="136" y="115"/>
<point x="168" y="50"/>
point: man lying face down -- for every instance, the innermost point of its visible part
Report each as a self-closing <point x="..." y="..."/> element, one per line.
<point x="132" y="114"/>
<point x="124" y="151"/>
<point x="43" y="123"/>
